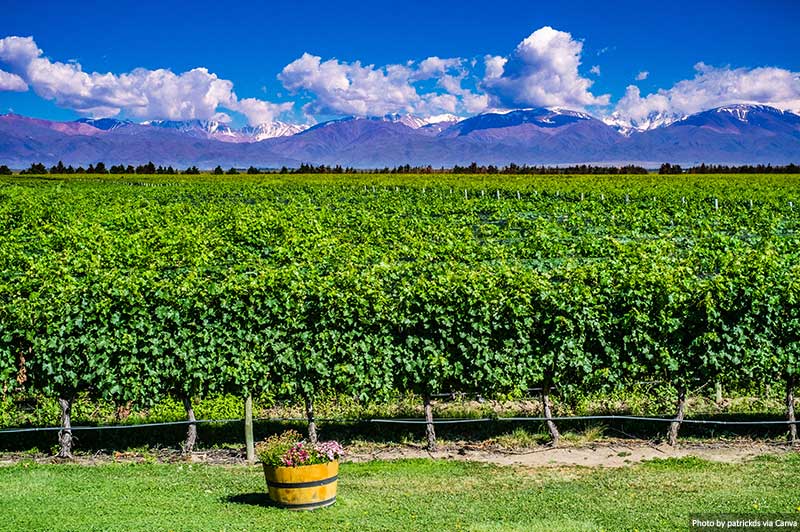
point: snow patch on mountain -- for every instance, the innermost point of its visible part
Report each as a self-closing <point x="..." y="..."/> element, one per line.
<point x="570" y="112"/>
<point x="654" y="120"/>
<point x="213" y="129"/>
<point x="272" y="130"/>
<point x="447" y="117"/>
<point x="416" y="122"/>
<point x="740" y="110"/>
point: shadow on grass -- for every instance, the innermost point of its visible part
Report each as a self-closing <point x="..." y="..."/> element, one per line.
<point x="251" y="499"/>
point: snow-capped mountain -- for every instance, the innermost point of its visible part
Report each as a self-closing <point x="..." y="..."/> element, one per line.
<point x="660" y="119"/>
<point x="198" y="128"/>
<point x="414" y="122"/>
<point x="431" y="125"/>
<point x="738" y="134"/>
<point x="731" y="134"/>
<point x="745" y="119"/>
<point x="208" y="126"/>
<point x="539" y="117"/>
<point x="740" y="111"/>
<point x="213" y="129"/>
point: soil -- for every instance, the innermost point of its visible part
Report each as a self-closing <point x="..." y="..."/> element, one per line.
<point x="605" y="453"/>
<point x="598" y="454"/>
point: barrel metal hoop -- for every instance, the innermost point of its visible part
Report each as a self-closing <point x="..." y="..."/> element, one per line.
<point x="316" y="504"/>
<point x="290" y="485"/>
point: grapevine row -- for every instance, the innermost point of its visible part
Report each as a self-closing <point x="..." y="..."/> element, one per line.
<point x="304" y="286"/>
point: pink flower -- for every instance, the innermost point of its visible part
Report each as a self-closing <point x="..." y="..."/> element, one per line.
<point x="301" y="454"/>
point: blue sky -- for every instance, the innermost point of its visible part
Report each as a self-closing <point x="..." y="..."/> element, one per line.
<point x="368" y="58"/>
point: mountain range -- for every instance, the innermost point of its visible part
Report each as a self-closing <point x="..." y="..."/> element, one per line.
<point x="733" y="134"/>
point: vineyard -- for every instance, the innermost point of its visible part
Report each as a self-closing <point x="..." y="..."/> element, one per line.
<point x="131" y="289"/>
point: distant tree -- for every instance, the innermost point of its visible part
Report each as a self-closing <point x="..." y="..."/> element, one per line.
<point x="5" y="170"/>
<point x="218" y="170"/>
<point x="232" y="171"/>
<point x="253" y="170"/>
<point x="148" y="168"/>
<point x="35" y="169"/>
<point x="192" y="170"/>
<point x="667" y="169"/>
<point x="100" y="168"/>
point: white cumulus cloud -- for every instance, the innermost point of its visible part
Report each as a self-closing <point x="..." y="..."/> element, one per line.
<point x="435" y="66"/>
<point x="12" y="82"/>
<point x="433" y="103"/>
<point x="541" y="71"/>
<point x="713" y="87"/>
<point x="350" y="88"/>
<point x="339" y="87"/>
<point x="141" y="93"/>
<point x="260" y="111"/>
<point x="495" y="65"/>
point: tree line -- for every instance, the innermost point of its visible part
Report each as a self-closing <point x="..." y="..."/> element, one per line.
<point x="100" y="169"/>
<point x="668" y="168"/>
<point x="510" y="169"/>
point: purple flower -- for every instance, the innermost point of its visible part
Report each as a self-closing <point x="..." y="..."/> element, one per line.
<point x="330" y="450"/>
<point x="302" y="454"/>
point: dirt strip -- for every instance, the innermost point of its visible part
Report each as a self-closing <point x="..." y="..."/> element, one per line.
<point x="607" y="453"/>
<point x="603" y="454"/>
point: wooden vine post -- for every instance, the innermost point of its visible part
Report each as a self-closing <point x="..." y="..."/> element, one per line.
<point x="672" y="434"/>
<point x="547" y="408"/>
<point x="430" y="431"/>
<point x="312" y="425"/>
<point x="191" y="431"/>
<point x="790" y="410"/>
<point x="248" y="430"/>
<point x="65" y="434"/>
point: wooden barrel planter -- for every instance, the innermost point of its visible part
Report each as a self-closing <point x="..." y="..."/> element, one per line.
<point x="303" y="487"/>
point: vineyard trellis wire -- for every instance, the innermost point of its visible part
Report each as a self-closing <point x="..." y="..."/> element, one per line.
<point x="205" y="288"/>
<point x="407" y="421"/>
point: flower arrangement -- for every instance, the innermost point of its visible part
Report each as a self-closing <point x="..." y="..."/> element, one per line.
<point x="290" y="450"/>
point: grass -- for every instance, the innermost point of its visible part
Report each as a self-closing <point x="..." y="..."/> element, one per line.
<point x="424" y="495"/>
<point x="519" y="438"/>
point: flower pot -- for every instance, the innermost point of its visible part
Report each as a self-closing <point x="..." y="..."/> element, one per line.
<point x="303" y="487"/>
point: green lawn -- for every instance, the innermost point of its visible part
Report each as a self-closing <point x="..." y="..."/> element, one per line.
<point x="423" y="495"/>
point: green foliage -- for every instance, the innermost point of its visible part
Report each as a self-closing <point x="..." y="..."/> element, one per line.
<point x="137" y="290"/>
<point x="272" y="450"/>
